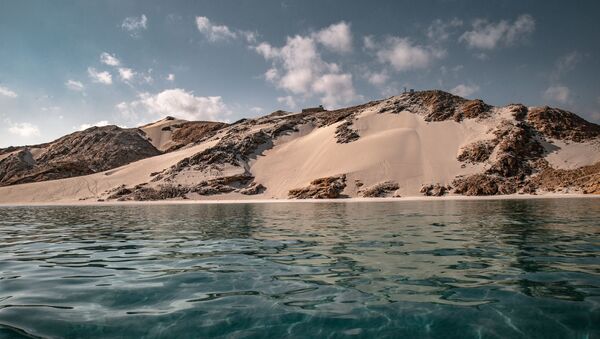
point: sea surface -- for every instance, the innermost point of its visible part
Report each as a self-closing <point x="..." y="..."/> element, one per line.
<point x="435" y="269"/>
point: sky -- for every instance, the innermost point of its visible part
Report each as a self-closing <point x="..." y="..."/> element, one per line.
<point x="66" y="65"/>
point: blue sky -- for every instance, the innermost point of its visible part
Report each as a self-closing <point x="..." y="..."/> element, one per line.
<point x="65" y="65"/>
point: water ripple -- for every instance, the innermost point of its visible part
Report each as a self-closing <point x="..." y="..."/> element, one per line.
<point x="436" y="269"/>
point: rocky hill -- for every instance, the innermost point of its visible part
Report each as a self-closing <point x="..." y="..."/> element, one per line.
<point x="93" y="150"/>
<point x="423" y="143"/>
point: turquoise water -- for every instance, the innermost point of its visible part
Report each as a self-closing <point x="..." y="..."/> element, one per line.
<point x="441" y="269"/>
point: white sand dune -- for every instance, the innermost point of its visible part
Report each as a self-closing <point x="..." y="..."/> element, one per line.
<point x="398" y="147"/>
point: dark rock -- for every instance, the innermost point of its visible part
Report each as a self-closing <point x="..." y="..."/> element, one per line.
<point x="478" y="151"/>
<point x="345" y="134"/>
<point x="323" y="188"/>
<point x="253" y="189"/>
<point x="381" y="189"/>
<point x="484" y="184"/>
<point x="560" y="124"/>
<point x="434" y="190"/>
<point x="94" y="150"/>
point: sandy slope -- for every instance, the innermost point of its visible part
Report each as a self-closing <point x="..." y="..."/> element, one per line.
<point x="399" y="147"/>
<point x="74" y="189"/>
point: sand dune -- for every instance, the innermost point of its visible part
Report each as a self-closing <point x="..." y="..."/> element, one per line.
<point x="399" y="140"/>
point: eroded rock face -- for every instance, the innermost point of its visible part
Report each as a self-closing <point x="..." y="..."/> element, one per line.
<point x="222" y="185"/>
<point x="345" y="134"/>
<point x="94" y="150"/>
<point x="322" y="188"/>
<point x="227" y="184"/>
<point x="439" y="106"/>
<point x="476" y="152"/>
<point x="484" y="184"/>
<point x="14" y="165"/>
<point x="379" y="190"/>
<point x="561" y="124"/>
<point x="193" y="132"/>
<point x="434" y="190"/>
<point x="253" y="189"/>
<point x="585" y="179"/>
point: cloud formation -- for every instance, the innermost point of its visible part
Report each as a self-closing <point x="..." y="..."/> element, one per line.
<point x="24" y="129"/>
<point x="99" y="77"/>
<point x="96" y="124"/>
<point x="126" y="74"/>
<point x="463" y="90"/>
<point x="135" y="25"/>
<point x="440" y="30"/>
<point x="337" y="37"/>
<point x="174" y="102"/>
<point x="109" y="59"/>
<point x="74" y="85"/>
<point x="299" y="68"/>
<point x="215" y="33"/>
<point x="490" y="35"/>
<point x="7" y="92"/>
<point x="288" y="101"/>
<point x="557" y="93"/>
<point x="404" y="55"/>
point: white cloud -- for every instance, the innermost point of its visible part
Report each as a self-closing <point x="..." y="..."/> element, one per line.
<point x="216" y="33"/>
<point x="335" y="88"/>
<point x="135" y="25"/>
<point x="557" y="93"/>
<point x="96" y="124"/>
<point x="299" y="68"/>
<point x="486" y="35"/>
<point x="463" y="90"/>
<point x="109" y="59"/>
<point x="100" y="77"/>
<point x="7" y="92"/>
<point x="177" y="103"/>
<point x="256" y="109"/>
<point x="567" y="63"/>
<point x="74" y="85"/>
<point x="369" y="42"/>
<point x="403" y="55"/>
<point x="126" y="74"/>
<point x="440" y="30"/>
<point x="24" y="129"/>
<point x="171" y="77"/>
<point x="288" y="101"/>
<point x="377" y="78"/>
<point x="336" y="37"/>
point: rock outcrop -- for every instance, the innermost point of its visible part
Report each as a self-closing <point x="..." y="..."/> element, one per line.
<point x="585" y="179"/>
<point x="379" y="190"/>
<point x="434" y="190"/>
<point x="438" y="105"/>
<point x="191" y="132"/>
<point x="560" y="124"/>
<point x="322" y="188"/>
<point x="95" y="149"/>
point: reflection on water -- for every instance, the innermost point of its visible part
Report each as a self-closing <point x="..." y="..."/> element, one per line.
<point x="512" y="268"/>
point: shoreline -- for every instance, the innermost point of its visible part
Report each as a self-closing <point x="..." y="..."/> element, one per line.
<point x="340" y="200"/>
